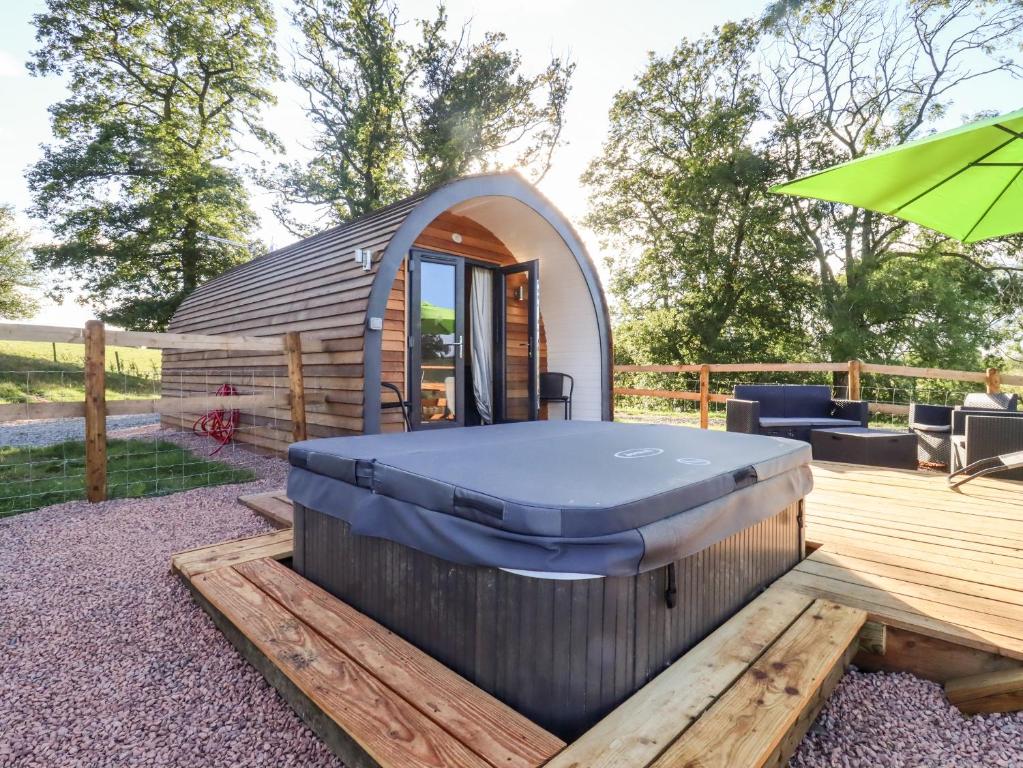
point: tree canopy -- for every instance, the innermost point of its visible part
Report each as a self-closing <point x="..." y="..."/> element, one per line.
<point x="392" y="116"/>
<point x="713" y="267"/>
<point x="136" y="187"/>
<point x="709" y="268"/>
<point x="17" y="277"/>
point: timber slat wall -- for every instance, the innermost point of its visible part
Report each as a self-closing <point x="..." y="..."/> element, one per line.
<point x="315" y="287"/>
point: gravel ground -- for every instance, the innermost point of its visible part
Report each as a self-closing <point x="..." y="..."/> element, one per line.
<point x="104" y="658"/>
<point x="22" y="434"/>
<point x="885" y="720"/>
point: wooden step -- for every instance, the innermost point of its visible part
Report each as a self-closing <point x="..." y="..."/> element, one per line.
<point x="1000" y="691"/>
<point x="372" y="697"/>
<point x="275" y="506"/>
<point x="744" y="696"/>
<point x="277" y="545"/>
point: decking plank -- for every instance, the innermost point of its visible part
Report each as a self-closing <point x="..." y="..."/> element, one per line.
<point x="883" y="547"/>
<point x="820" y="531"/>
<point x="277" y="545"/>
<point x="490" y="728"/>
<point x="910" y="478"/>
<point x="997" y="615"/>
<point x="274" y="506"/>
<point x="1004" y="542"/>
<point x="635" y="733"/>
<point x="930" y="574"/>
<point x="386" y="727"/>
<point x="747" y="725"/>
<point x="951" y="521"/>
<point x="927" y="618"/>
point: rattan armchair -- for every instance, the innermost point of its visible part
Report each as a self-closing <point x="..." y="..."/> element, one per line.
<point x="982" y="435"/>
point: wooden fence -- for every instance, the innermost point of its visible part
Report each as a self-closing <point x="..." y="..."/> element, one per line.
<point x="95" y="408"/>
<point x="992" y="380"/>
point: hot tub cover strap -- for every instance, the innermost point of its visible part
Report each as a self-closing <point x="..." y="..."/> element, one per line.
<point x="579" y="497"/>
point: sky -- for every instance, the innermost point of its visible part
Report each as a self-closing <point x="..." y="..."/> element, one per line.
<point x="607" y="39"/>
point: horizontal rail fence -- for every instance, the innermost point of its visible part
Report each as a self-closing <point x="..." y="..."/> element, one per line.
<point x="701" y="390"/>
<point x="205" y="392"/>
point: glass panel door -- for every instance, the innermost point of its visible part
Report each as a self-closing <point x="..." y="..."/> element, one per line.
<point x="436" y="354"/>
<point x="518" y="331"/>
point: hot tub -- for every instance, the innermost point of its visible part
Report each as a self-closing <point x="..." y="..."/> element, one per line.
<point x="558" y="565"/>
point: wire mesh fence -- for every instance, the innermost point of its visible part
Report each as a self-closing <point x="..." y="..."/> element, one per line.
<point x="192" y="441"/>
<point x="173" y="421"/>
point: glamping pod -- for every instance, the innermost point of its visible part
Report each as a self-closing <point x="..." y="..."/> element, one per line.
<point x="557" y="563"/>
<point x="459" y="296"/>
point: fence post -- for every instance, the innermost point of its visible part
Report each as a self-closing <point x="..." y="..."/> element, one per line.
<point x="854" y="379"/>
<point x="704" y="396"/>
<point x="95" y="412"/>
<point x="293" y="346"/>
<point x="993" y="381"/>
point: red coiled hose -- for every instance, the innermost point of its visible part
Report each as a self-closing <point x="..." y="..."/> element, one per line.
<point x="220" y="423"/>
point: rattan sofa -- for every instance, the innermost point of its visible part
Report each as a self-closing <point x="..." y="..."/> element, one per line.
<point x="790" y="410"/>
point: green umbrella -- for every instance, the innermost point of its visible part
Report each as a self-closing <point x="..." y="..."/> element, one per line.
<point x="966" y="183"/>
<point x="436" y="320"/>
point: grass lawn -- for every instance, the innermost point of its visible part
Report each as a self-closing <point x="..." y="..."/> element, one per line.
<point x="31" y="478"/>
<point x="29" y="373"/>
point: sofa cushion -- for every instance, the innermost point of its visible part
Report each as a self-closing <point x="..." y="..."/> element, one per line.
<point x="998" y="401"/>
<point x="807" y="401"/>
<point x="770" y="396"/>
<point x="917" y="427"/>
<point x="774" y="422"/>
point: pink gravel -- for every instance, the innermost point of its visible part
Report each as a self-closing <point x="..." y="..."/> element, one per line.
<point x="885" y="720"/>
<point x="104" y="658"/>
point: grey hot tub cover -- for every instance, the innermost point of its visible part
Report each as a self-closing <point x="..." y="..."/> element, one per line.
<point x="596" y="498"/>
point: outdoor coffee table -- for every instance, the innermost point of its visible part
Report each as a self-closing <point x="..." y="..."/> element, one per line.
<point x="862" y="445"/>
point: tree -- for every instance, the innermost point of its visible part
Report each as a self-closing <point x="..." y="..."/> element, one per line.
<point x="709" y="268"/>
<point x="476" y="105"/>
<point x="137" y="187"/>
<point x="848" y="77"/>
<point x="393" y="116"/>
<point x="352" y="68"/>
<point x="16" y="273"/>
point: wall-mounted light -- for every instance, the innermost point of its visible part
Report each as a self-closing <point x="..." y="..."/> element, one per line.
<point x="364" y="256"/>
<point x="456" y="237"/>
<point x="520" y="293"/>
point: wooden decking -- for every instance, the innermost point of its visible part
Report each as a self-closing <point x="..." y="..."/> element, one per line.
<point x="745" y="696"/>
<point x="372" y="697"/>
<point x="939" y="573"/>
<point x="918" y="556"/>
<point x="378" y="701"/>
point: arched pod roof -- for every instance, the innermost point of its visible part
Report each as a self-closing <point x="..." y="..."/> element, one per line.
<point x="317" y="287"/>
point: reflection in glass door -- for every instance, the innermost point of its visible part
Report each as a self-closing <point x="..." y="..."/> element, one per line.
<point x="518" y="331"/>
<point x="436" y="353"/>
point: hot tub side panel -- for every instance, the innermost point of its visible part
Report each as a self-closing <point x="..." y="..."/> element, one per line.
<point x="563" y="653"/>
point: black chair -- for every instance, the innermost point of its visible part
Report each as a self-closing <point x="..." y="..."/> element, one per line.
<point x="552" y="390"/>
<point x="400" y="403"/>
<point x="932" y="425"/>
